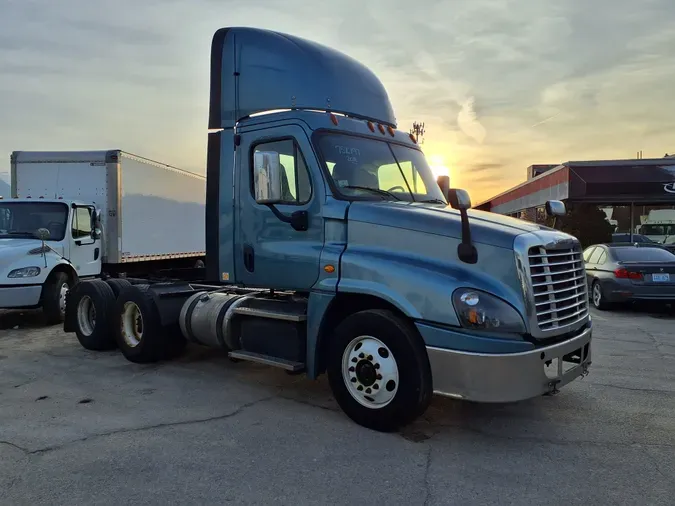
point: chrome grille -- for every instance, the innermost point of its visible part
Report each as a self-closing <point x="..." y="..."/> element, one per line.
<point x="558" y="281"/>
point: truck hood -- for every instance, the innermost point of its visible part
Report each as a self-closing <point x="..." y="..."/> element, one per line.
<point x="487" y="228"/>
<point x="13" y="248"/>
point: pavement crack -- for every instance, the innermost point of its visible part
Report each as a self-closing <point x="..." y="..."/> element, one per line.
<point x="635" y="389"/>
<point x="16" y="446"/>
<point x="231" y="414"/>
<point x="427" y="483"/>
<point x="559" y="442"/>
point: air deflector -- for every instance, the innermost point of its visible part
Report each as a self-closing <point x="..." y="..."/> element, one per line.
<point x="254" y="70"/>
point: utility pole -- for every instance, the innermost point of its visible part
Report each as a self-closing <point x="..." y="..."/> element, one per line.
<point x="417" y="131"/>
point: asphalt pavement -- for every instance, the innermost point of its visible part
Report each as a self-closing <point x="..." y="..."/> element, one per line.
<point x="79" y="427"/>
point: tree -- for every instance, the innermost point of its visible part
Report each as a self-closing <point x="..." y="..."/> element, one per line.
<point x="586" y="222"/>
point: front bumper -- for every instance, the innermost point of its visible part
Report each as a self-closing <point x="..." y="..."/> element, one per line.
<point x="24" y="296"/>
<point x="509" y="377"/>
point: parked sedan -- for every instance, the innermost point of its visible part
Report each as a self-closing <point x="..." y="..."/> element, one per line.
<point x="625" y="272"/>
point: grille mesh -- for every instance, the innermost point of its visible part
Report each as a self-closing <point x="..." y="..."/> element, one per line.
<point x="558" y="282"/>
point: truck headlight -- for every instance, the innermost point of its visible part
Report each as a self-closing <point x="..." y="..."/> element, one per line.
<point x="482" y="311"/>
<point x="24" y="272"/>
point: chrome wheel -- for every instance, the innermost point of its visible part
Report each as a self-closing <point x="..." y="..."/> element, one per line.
<point x="370" y="372"/>
<point x="597" y="294"/>
<point x="86" y="316"/>
<point x="132" y="324"/>
<point x="63" y="291"/>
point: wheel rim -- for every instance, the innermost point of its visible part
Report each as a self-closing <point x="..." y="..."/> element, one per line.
<point x="370" y="372"/>
<point x="597" y="294"/>
<point x="86" y="316"/>
<point x="132" y="324"/>
<point x="63" y="292"/>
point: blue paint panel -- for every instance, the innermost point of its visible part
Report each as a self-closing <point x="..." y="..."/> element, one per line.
<point x="316" y="309"/>
<point x="456" y="340"/>
<point x="418" y="271"/>
<point x="487" y="228"/>
<point x="263" y="70"/>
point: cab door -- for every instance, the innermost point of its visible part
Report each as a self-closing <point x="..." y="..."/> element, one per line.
<point x="268" y="251"/>
<point x="85" y="250"/>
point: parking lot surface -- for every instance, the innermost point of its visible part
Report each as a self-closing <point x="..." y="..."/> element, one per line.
<point x="78" y="427"/>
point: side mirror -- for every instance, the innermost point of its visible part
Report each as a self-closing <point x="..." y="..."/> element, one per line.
<point x="555" y="208"/>
<point x="444" y="185"/>
<point x="96" y="233"/>
<point x="42" y="234"/>
<point x="459" y="199"/>
<point x="267" y="177"/>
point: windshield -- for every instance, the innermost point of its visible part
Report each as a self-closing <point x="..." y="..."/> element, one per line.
<point x="652" y="229"/>
<point x="373" y="169"/>
<point x="632" y="254"/>
<point x="22" y="219"/>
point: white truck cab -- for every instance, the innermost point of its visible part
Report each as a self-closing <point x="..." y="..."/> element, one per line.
<point x="46" y="245"/>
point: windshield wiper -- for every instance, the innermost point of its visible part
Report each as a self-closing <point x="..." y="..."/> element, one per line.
<point x="433" y="201"/>
<point x="19" y="233"/>
<point x="384" y="193"/>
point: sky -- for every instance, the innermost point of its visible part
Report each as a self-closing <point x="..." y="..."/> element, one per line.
<point x="499" y="84"/>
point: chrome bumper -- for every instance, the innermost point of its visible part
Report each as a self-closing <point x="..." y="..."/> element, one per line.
<point x="20" y="296"/>
<point x="484" y="377"/>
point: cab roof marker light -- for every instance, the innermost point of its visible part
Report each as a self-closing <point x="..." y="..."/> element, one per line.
<point x="371" y="127"/>
<point x="412" y="138"/>
<point x="390" y="130"/>
<point x="334" y="119"/>
<point x="380" y="128"/>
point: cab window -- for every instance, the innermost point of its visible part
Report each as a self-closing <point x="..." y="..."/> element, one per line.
<point x="81" y="223"/>
<point x="296" y="182"/>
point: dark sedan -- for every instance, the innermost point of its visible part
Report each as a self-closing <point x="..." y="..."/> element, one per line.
<point x="626" y="273"/>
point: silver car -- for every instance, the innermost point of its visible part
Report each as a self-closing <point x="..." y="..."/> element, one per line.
<point x="627" y="272"/>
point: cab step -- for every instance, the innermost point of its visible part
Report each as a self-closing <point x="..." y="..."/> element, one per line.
<point x="259" y="358"/>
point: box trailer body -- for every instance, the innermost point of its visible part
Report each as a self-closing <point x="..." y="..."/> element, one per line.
<point x="149" y="210"/>
<point x="75" y="215"/>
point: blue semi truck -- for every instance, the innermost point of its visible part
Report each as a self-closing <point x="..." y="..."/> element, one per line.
<point x="332" y="248"/>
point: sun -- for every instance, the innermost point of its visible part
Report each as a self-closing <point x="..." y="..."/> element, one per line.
<point x="438" y="166"/>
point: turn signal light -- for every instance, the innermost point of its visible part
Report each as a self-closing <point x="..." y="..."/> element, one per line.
<point x="624" y="273"/>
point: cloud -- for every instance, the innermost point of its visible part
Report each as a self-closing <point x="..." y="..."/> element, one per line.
<point x="496" y="81"/>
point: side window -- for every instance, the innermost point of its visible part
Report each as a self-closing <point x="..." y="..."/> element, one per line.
<point x="587" y="253"/>
<point x="81" y="223"/>
<point x="295" y="178"/>
<point x="595" y="256"/>
<point x="602" y="259"/>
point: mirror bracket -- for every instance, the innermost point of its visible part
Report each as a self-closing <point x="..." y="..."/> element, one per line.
<point x="466" y="251"/>
<point x="299" y="220"/>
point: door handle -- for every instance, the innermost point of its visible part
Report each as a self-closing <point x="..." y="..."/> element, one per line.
<point x="249" y="258"/>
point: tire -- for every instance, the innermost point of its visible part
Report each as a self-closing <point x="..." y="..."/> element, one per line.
<point x="92" y="309"/>
<point x="54" y="296"/>
<point x="117" y="284"/>
<point x="598" y="299"/>
<point x="138" y="328"/>
<point x="395" y="404"/>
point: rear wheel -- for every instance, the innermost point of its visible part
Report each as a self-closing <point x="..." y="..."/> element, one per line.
<point x="138" y="328"/>
<point x="378" y="370"/>
<point x="54" y="297"/>
<point x="92" y="305"/>
<point x="598" y="296"/>
<point x="117" y="284"/>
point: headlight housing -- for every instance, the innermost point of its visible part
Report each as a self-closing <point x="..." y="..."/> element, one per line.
<point x="24" y="272"/>
<point x="479" y="310"/>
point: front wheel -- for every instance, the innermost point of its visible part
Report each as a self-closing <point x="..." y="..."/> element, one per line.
<point x="378" y="370"/>
<point x="54" y="297"/>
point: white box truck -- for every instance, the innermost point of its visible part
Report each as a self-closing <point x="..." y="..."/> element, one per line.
<point x="94" y="214"/>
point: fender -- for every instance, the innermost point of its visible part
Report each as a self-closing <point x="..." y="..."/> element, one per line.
<point x="419" y="288"/>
